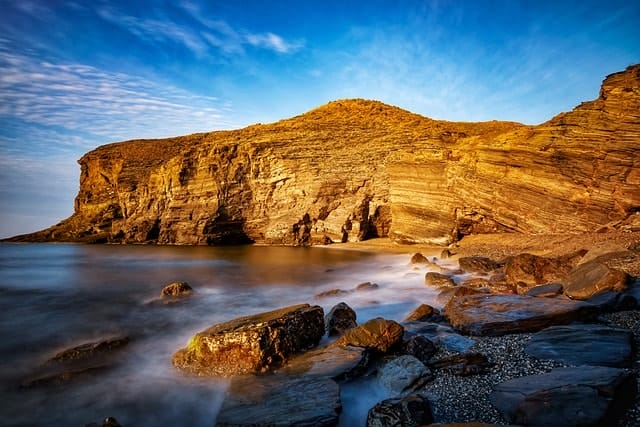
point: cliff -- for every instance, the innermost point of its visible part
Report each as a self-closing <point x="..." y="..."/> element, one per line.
<point x="355" y="169"/>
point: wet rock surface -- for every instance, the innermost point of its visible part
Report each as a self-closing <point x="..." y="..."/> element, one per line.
<point x="412" y="410"/>
<point x="280" y="400"/>
<point x="567" y="397"/>
<point x="584" y="344"/>
<point x="403" y="375"/>
<point x="502" y="314"/>
<point x="340" y="318"/>
<point x="438" y="279"/>
<point x="176" y="289"/>
<point x="252" y="344"/>
<point x="377" y="334"/>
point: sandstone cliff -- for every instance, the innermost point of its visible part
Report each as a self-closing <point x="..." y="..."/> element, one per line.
<point x="354" y="169"/>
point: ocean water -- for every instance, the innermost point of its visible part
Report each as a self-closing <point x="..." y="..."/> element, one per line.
<point x="56" y="296"/>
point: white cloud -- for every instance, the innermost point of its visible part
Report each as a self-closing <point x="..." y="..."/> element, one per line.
<point x="272" y="41"/>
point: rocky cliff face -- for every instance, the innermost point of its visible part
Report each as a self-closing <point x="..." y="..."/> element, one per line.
<point x="355" y="169"/>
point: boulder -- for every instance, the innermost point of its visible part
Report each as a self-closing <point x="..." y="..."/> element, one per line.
<point x="340" y="318"/>
<point x="281" y="401"/>
<point x="423" y="313"/>
<point x="463" y="365"/>
<point x="252" y="344"/>
<point x="584" y="344"/>
<point x="366" y="286"/>
<point x="505" y="314"/>
<point x="176" y="289"/>
<point x="377" y="334"/>
<point x="527" y="270"/>
<point x="478" y="264"/>
<point x="404" y="375"/>
<point x="438" y="279"/>
<point x="420" y="347"/>
<point x="545" y="291"/>
<point x="411" y="410"/>
<point x="593" y="277"/>
<point x="418" y="258"/>
<point x="596" y="396"/>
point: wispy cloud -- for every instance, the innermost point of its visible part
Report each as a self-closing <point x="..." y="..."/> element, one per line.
<point x="210" y="36"/>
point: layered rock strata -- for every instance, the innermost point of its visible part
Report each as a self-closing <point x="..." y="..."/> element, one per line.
<point x="355" y="169"/>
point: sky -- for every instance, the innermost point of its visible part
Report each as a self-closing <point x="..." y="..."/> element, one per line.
<point x="78" y="74"/>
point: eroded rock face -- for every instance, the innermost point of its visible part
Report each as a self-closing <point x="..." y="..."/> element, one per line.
<point x="252" y="344"/>
<point x="303" y="180"/>
<point x="504" y="314"/>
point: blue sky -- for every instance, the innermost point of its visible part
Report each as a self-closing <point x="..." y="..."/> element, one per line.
<point x="78" y="74"/>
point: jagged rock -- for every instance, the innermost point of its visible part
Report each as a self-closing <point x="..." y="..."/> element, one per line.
<point x="584" y="345"/>
<point x="252" y="344"/>
<point x="176" y="289"/>
<point x="478" y="264"/>
<point x="526" y="271"/>
<point x="423" y="313"/>
<point x="595" y="396"/>
<point x="403" y="375"/>
<point x="340" y="318"/>
<point x="422" y="180"/>
<point x="437" y="279"/>
<point x="411" y="411"/>
<point x="420" y="347"/>
<point x="377" y="334"/>
<point x="593" y="277"/>
<point x="545" y="291"/>
<point x="280" y="401"/>
<point x="504" y="314"/>
<point x="463" y="364"/>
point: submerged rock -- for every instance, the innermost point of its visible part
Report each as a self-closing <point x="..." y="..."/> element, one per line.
<point x="176" y="289"/>
<point x="596" y="396"/>
<point x="90" y="350"/>
<point x="412" y="410"/>
<point x="377" y="334"/>
<point x="281" y="401"/>
<point x="584" y="345"/>
<point x="437" y="279"/>
<point x="254" y="343"/>
<point x="504" y="314"/>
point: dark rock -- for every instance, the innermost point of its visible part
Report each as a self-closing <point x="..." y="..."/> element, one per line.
<point x="463" y="364"/>
<point x="335" y="362"/>
<point x="377" y="334"/>
<point x="611" y="301"/>
<point x="280" y="401"/>
<point x="108" y="422"/>
<point x="366" y="286"/>
<point x="504" y="314"/>
<point x="545" y="291"/>
<point x="423" y="313"/>
<point x="584" y="344"/>
<point x="593" y="277"/>
<point x="254" y="343"/>
<point x="420" y="347"/>
<point x="403" y="375"/>
<point x="410" y="411"/>
<point x="90" y="350"/>
<point x="478" y="264"/>
<point x="441" y="335"/>
<point x="331" y="293"/>
<point x="340" y="318"/>
<point x="596" y="396"/>
<point x="532" y="270"/>
<point x="176" y="289"/>
<point x="64" y="377"/>
<point x="437" y="279"/>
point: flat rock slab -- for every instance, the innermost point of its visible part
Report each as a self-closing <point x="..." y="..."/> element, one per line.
<point x="584" y="345"/>
<point x="252" y="344"/>
<point x="335" y="362"/>
<point x="593" y="277"/>
<point x="506" y="314"/>
<point x="595" y="396"/>
<point x="281" y="401"/>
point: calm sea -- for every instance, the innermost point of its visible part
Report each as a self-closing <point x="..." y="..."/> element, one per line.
<point x="56" y="296"/>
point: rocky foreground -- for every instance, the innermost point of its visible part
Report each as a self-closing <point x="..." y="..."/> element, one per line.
<point x="355" y="169"/>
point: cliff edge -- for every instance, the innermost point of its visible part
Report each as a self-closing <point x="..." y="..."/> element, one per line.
<point x="355" y="169"/>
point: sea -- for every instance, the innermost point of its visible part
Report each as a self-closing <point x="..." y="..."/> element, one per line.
<point x="57" y="296"/>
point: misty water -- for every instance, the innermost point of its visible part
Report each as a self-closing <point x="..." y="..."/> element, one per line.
<point x="55" y="296"/>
